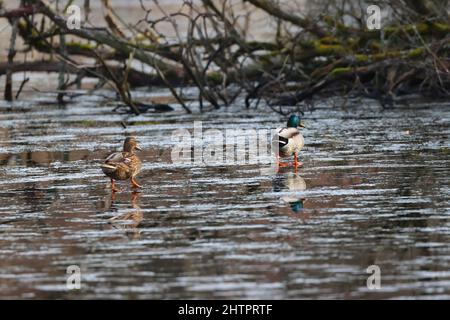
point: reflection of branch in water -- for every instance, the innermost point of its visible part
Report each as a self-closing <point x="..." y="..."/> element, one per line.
<point x="295" y="184"/>
<point x="129" y="221"/>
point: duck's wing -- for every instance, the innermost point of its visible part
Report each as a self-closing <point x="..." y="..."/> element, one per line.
<point x="282" y="136"/>
<point x="295" y="139"/>
<point x="116" y="161"/>
<point x="288" y="133"/>
<point x="116" y="157"/>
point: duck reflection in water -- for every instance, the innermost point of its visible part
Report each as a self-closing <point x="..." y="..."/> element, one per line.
<point x="294" y="184"/>
<point x="130" y="220"/>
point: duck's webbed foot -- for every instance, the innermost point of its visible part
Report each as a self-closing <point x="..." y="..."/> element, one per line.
<point x="281" y="164"/>
<point x="134" y="183"/>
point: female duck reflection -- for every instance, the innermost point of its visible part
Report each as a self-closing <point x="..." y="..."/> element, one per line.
<point x="295" y="185"/>
<point x="129" y="220"/>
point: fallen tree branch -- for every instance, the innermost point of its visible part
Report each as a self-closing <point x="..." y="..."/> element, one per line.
<point x="273" y="9"/>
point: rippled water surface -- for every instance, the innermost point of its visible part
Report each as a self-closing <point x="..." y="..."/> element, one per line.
<point x="374" y="189"/>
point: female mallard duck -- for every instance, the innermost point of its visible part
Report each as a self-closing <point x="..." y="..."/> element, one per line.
<point x="288" y="141"/>
<point x="123" y="165"/>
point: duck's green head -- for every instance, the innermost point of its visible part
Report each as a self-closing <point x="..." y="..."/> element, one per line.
<point x="295" y="121"/>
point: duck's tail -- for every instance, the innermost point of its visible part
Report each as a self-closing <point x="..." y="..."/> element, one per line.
<point x="108" y="168"/>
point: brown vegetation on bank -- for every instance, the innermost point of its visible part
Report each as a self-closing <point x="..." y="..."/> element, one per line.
<point x="329" y="53"/>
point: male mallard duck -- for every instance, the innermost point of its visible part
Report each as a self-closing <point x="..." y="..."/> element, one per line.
<point x="288" y="141"/>
<point x="123" y="165"/>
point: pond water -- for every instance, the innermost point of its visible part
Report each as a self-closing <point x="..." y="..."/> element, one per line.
<point x="374" y="190"/>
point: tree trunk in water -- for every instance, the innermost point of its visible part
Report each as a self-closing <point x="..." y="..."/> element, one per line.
<point x="11" y="53"/>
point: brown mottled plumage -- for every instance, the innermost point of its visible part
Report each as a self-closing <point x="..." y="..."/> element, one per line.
<point x="123" y="165"/>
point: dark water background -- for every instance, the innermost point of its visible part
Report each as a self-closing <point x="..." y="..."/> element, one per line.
<point x="374" y="190"/>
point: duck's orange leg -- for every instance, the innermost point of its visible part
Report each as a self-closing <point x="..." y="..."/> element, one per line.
<point x="134" y="183"/>
<point x="296" y="162"/>
<point x="281" y="164"/>
<point x="113" y="186"/>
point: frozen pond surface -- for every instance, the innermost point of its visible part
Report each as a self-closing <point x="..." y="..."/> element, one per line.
<point x="374" y="189"/>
